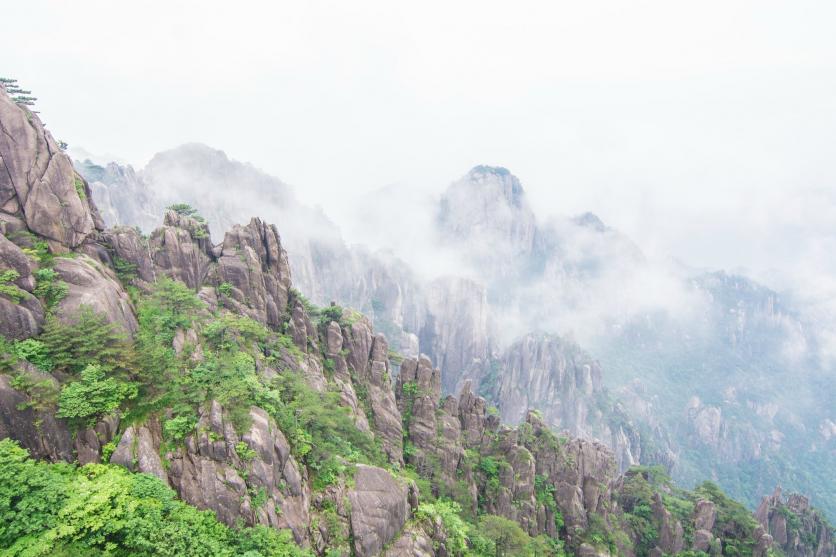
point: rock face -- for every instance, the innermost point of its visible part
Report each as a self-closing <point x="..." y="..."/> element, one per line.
<point x="207" y="471"/>
<point x="379" y="508"/>
<point x="181" y="249"/>
<point x="558" y="379"/>
<point x="50" y="440"/>
<point x="794" y="526"/>
<point x="37" y="182"/>
<point x="127" y="245"/>
<point x="21" y="314"/>
<point x="577" y="473"/>
<point x="253" y="262"/>
<point x="456" y="330"/>
<point x="488" y="211"/>
<point x="92" y="284"/>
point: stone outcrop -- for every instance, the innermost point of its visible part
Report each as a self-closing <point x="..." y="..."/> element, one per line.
<point x="21" y="314"/>
<point x="91" y="284"/>
<point x="39" y="431"/>
<point x="794" y="526"/>
<point x="209" y="473"/>
<point x="127" y="245"/>
<point x="37" y="182"/>
<point x="379" y="509"/>
<point x="181" y="249"/>
<point x="254" y="263"/>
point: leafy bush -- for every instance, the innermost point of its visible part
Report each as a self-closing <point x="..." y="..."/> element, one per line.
<point x="244" y="451"/>
<point x="79" y="188"/>
<point x="7" y="286"/>
<point x="178" y="428"/>
<point x="94" y="396"/>
<point x="49" y="288"/>
<point x="448" y="513"/>
<point x="59" y="509"/>
<point x="320" y="430"/>
<point x="35" y="352"/>
<point x="40" y="252"/>
<point x="506" y="535"/>
<point x="224" y="289"/>
<point x="125" y="270"/>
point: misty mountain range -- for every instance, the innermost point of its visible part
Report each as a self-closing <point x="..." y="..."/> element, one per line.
<point x="708" y="373"/>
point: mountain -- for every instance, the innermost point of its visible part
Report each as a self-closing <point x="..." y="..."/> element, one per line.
<point x="691" y="362"/>
<point x="145" y="377"/>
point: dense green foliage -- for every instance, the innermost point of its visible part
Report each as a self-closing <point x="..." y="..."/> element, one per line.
<point x="89" y="339"/>
<point x="64" y="510"/>
<point x="93" y="396"/>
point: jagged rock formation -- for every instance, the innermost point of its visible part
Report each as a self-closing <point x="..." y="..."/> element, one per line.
<point x="561" y="381"/>
<point x="565" y="275"/>
<point x="794" y="526"/>
<point x="39" y="190"/>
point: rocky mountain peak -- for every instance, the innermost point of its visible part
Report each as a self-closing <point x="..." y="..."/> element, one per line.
<point x="487" y="208"/>
<point x="591" y="221"/>
<point x="39" y="190"/>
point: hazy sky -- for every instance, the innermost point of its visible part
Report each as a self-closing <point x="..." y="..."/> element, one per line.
<point x="704" y="130"/>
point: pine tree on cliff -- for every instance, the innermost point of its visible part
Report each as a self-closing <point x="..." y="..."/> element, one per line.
<point x="20" y="96"/>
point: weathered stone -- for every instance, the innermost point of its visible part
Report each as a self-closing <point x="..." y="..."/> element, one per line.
<point x="126" y="244"/>
<point x="21" y="317"/>
<point x="254" y="263"/>
<point x="44" y="436"/>
<point x="704" y="515"/>
<point x="138" y="451"/>
<point x="93" y="285"/>
<point x="181" y="249"/>
<point x="379" y="509"/>
<point x="37" y="180"/>
<point x="702" y="540"/>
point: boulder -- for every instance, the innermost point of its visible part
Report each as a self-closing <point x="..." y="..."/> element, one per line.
<point x="379" y="509"/>
<point x="94" y="285"/>
<point x="126" y="244"/>
<point x="704" y="515"/>
<point x="138" y="451"/>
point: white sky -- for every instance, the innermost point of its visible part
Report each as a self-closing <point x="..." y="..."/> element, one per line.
<point x="704" y="130"/>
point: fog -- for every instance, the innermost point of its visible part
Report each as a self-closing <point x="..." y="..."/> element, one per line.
<point x="670" y="121"/>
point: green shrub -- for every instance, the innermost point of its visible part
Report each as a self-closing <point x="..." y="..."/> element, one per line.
<point x="94" y="396"/>
<point x="35" y="352"/>
<point x="224" y="289"/>
<point x="40" y="251"/>
<point x="507" y="536"/>
<point x="79" y="188"/>
<point x="448" y="513"/>
<point x="7" y="286"/>
<point x="90" y="339"/>
<point x="125" y="270"/>
<point x="178" y="428"/>
<point x="98" y="509"/>
<point x="244" y="451"/>
<point x="49" y="288"/>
